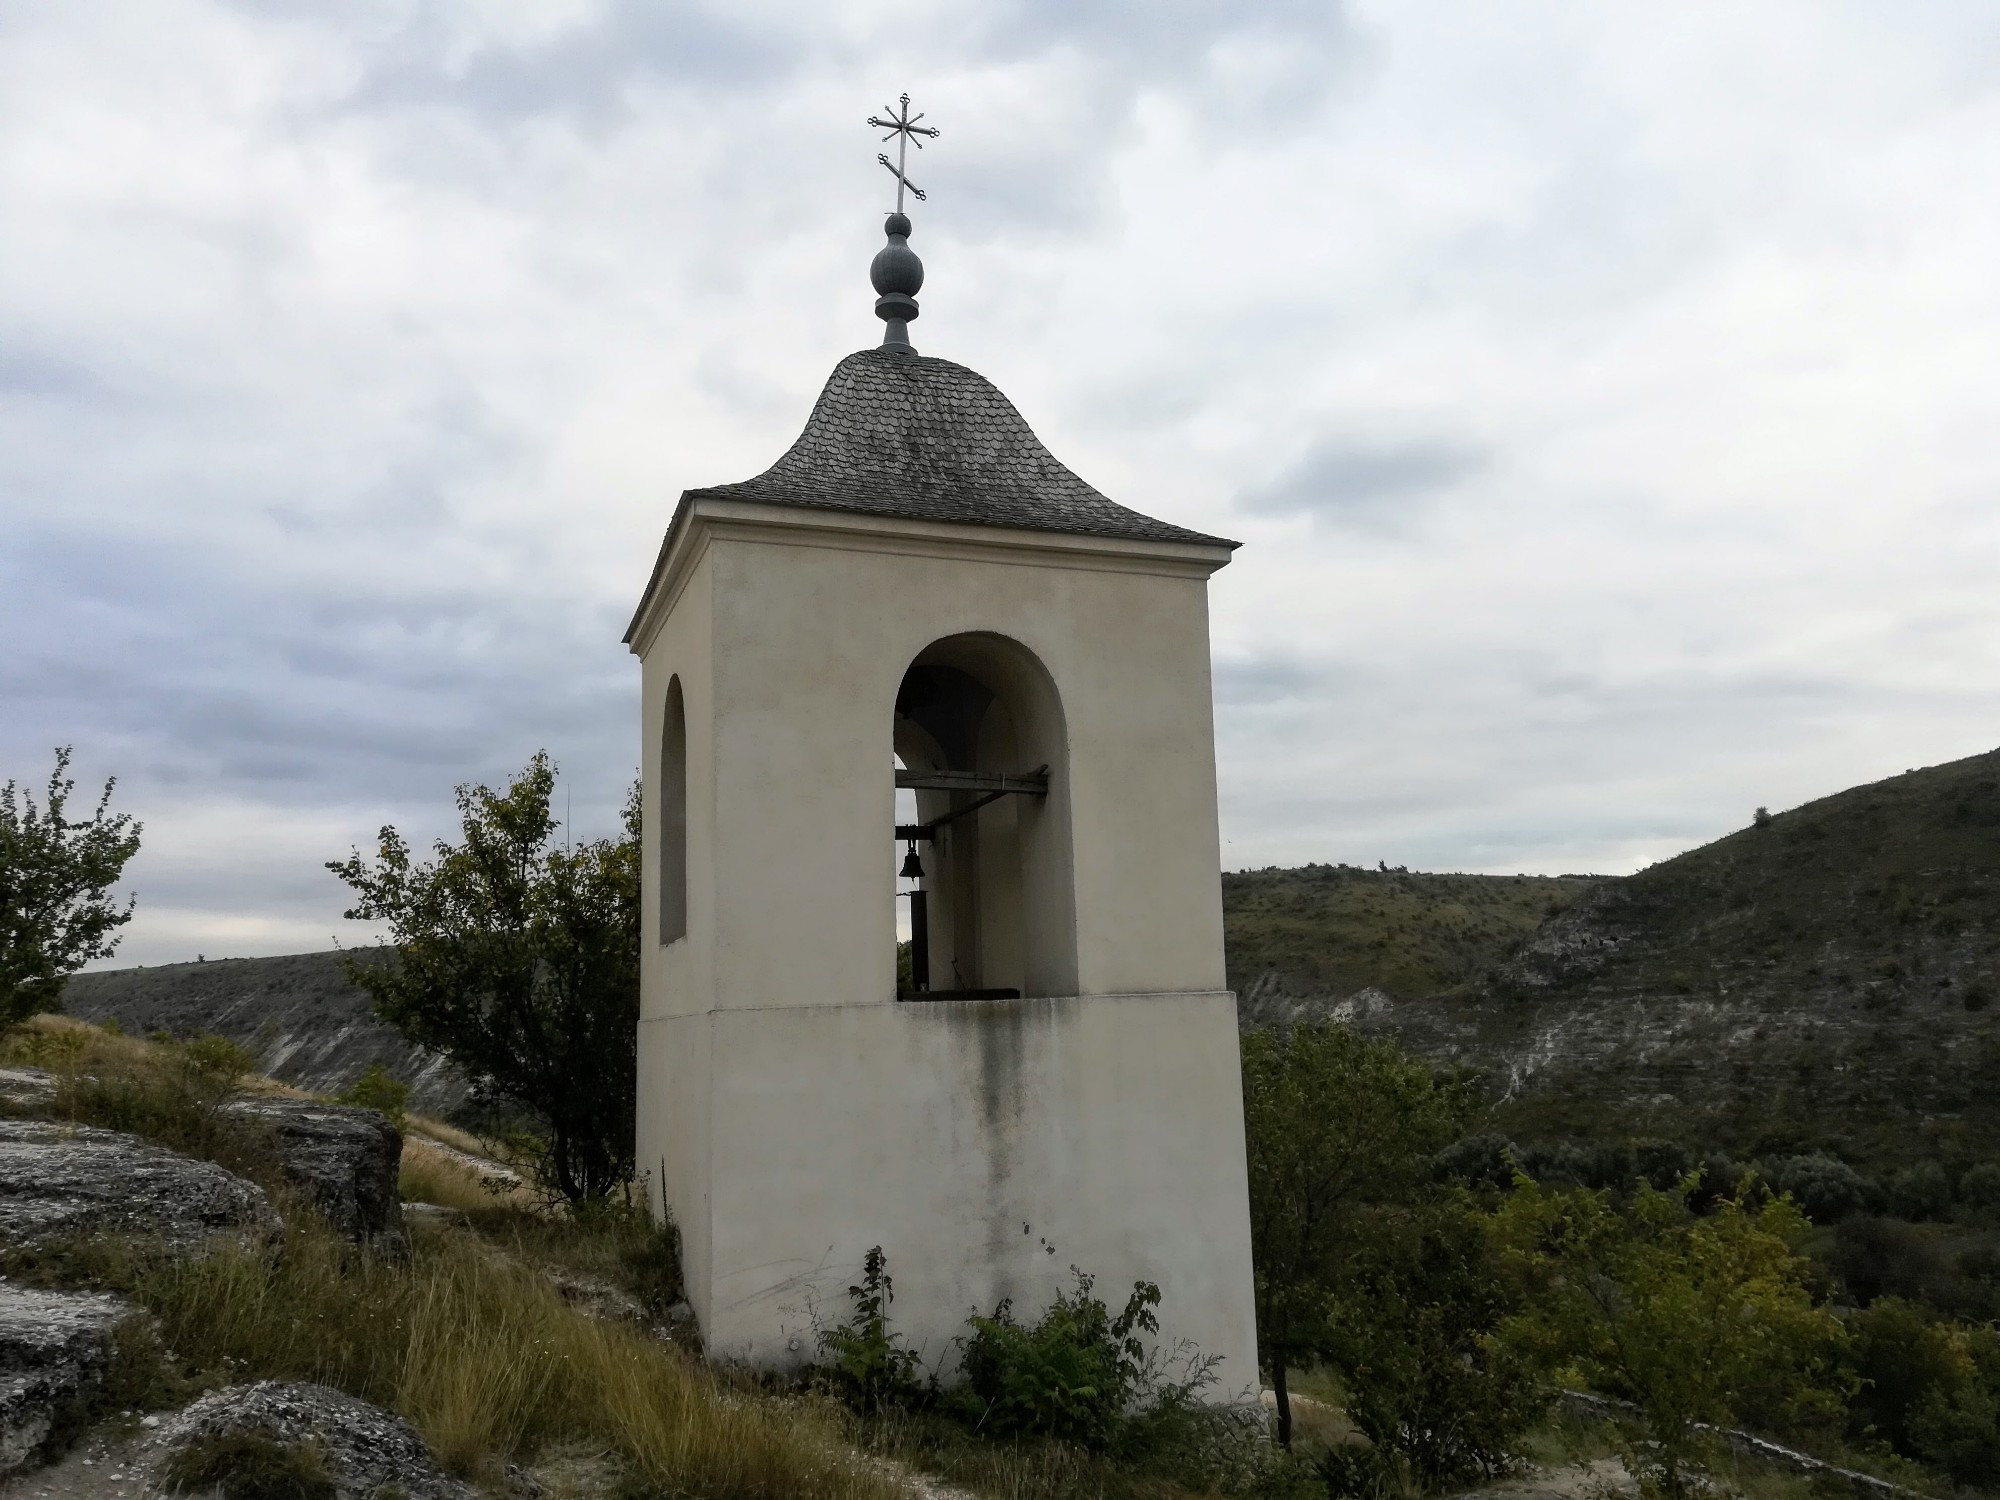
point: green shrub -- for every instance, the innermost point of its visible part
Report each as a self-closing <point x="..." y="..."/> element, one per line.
<point x="251" y="1466"/>
<point x="1074" y="1374"/>
<point x="377" y="1088"/>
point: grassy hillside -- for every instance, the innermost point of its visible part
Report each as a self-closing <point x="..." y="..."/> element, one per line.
<point x="1823" y="978"/>
<point x="1330" y="930"/>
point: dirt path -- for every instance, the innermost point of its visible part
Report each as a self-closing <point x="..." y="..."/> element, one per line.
<point x="1600" y="1479"/>
<point x="98" y="1468"/>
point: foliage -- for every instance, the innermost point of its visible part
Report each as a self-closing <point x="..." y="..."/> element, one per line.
<point x="1930" y="1389"/>
<point x="1415" y="1336"/>
<point x="1333" y="1121"/>
<point x="1073" y="1374"/>
<point x="378" y="1088"/>
<point x="519" y="958"/>
<point x="1828" y="1190"/>
<point x="56" y="873"/>
<point x="1957" y="1424"/>
<point x="868" y="1365"/>
<point x="1692" y="1319"/>
<point x="251" y="1466"/>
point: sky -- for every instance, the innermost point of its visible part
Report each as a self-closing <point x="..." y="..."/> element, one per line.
<point x="1606" y="397"/>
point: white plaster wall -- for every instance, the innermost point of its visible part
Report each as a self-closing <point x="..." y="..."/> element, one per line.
<point x="812" y="637"/>
<point x="987" y="1146"/>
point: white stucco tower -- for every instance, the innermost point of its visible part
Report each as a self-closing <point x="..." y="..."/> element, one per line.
<point x="919" y="596"/>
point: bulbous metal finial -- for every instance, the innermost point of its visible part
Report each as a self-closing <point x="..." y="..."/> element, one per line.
<point x="896" y="271"/>
<point x="898" y="276"/>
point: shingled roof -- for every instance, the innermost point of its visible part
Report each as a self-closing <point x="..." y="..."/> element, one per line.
<point x="900" y="435"/>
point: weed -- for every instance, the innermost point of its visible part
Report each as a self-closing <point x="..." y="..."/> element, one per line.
<point x="868" y="1366"/>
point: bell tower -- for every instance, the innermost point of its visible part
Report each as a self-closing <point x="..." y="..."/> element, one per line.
<point x="919" y="642"/>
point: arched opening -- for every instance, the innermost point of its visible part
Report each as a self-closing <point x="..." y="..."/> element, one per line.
<point x="673" y="816"/>
<point x="985" y="852"/>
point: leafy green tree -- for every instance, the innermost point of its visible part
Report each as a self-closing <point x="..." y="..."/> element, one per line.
<point x="518" y="957"/>
<point x="1957" y="1424"/>
<point x="1334" y="1121"/>
<point x="1415" y="1333"/>
<point x="1693" y="1319"/>
<point x="56" y="913"/>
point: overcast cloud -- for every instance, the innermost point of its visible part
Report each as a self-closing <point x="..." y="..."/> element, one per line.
<point x="1607" y="399"/>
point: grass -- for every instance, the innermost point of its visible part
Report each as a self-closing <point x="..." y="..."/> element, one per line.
<point x="475" y="1339"/>
<point x="481" y="1353"/>
<point x="429" y="1175"/>
<point x="1185" y="1460"/>
<point x="250" y="1466"/>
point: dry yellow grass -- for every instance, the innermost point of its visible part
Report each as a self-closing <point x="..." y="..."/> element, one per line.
<point x="486" y="1359"/>
<point x="433" y="1176"/>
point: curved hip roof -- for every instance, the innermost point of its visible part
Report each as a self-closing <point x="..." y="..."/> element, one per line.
<point x="901" y="435"/>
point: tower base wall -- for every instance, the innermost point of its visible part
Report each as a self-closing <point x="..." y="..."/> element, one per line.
<point x="987" y="1146"/>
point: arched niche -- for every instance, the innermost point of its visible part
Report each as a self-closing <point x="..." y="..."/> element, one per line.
<point x="673" y="816"/>
<point x="998" y="888"/>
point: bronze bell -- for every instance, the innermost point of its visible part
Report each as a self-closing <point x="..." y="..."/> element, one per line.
<point x="913" y="868"/>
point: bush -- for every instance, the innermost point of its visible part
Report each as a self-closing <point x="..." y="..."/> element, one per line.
<point x="1074" y="1374"/>
<point x="378" y="1088"/>
<point x="1827" y="1190"/>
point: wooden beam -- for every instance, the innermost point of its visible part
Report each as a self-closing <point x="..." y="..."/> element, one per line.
<point x="1033" y="783"/>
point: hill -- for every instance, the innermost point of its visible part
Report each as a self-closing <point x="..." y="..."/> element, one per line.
<point x="1825" y="979"/>
<point x="305" y="1023"/>
<point x="1297" y="939"/>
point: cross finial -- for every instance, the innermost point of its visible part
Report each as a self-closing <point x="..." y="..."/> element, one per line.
<point x="904" y="127"/>
<point x="896" y="272"/>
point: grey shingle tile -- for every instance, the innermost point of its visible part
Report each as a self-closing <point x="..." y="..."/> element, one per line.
<point x="902" y="435"/>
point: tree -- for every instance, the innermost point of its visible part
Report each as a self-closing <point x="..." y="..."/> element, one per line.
<point x="1692" y="1319"/>
<point x="518" y="958"/>
<point x="1333" y="1121"/>
<point x="1416" y="1332"/>
<point x="56" y="913"/>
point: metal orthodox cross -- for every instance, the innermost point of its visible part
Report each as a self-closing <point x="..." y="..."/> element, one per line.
<point x="903" y="126"/>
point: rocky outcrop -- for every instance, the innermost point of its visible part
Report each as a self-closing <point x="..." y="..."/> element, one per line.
<point x="299" y="1016"/>
<point x="61" y="1181"/>
<point x="367" y="1451"/>
<point x="56" y="1349"/>
<point x="342" y="1160"/>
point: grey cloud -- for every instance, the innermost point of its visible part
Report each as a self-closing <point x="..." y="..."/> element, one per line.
<point x="584" y="73"/>
<point x="1375" y="485"/>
